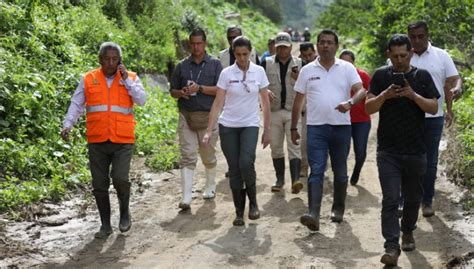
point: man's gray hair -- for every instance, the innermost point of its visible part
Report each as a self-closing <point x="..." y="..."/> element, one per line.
<point x="104" y="47"/>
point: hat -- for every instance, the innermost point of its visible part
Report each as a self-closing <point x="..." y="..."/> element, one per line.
<point x="283" y="39"/>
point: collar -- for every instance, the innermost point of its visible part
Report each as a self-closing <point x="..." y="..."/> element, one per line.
<point x="206" y="58"/>
<point x="236" y="69"/>
<point x="290" y="59"/>
<point x="318" y="64"/>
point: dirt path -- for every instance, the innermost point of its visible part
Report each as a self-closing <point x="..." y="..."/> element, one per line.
<point x="163" y="237"/>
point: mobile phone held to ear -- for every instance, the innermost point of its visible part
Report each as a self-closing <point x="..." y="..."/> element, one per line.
<point x="398" y="78"/>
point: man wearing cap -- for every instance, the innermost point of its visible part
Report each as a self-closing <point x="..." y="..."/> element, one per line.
<point x="227" y="56"/>
<point x="282" y="71"/>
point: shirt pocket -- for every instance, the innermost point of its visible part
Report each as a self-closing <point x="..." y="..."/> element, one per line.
<point x="94" y="95"/>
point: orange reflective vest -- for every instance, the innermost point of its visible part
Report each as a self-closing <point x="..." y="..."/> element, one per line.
<point x="109" y="111"/>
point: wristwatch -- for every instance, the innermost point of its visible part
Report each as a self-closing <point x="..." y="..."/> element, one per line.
<point x="200" y="89"/>
<point x="351" y="102"/>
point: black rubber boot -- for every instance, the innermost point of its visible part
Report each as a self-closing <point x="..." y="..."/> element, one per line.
<point x="239" y="204"/>
<point x="279" y="165"/>
<point x="103" y="205"/>
<point x="339" y="202"/>
<point x="295" y="167"/>
<point x="254" y="213"/>
<point x="315" y="195"/>
<point x="123" y="194"/>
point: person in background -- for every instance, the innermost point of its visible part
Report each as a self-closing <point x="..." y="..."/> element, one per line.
<point x="226" y="56"/>
<point x="403" y="94"/>
<point x="108" y="94"/>
<point x="327" y="83"/>
<point x="240" y="88"/>
<point x="282" y="71"/>
<point x="271" y="49"/>
<point x="306" y="35"/>
<point x="193" y="83"/>
<point x="307" y="55"/>
<point x="360" y="121"/>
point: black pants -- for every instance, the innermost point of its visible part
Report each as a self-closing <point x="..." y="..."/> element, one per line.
<point x="101" y="157"/>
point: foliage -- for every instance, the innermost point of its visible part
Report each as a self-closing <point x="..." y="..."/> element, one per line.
<point x="270" y="8"/>
<point x="302" y="13"/>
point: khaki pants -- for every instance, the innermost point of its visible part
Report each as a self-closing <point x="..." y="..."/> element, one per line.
<point x="191" y="143"/>
<point x="279" y="128"/>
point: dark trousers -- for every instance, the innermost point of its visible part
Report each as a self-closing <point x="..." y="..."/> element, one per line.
<point x="433" y="131"/>
<point x="101" y="157"/>
<point x="360" y="136"/>
<point x="400" y="172"/>
<point x="239" y="146"/>
<point x="324" y="139"/>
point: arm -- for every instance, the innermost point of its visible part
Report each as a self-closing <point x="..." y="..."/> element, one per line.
<point x="75" y="110"/>
<point x="452" y="90"/>
<point x="213" y="114"/>
<point x="374" y="103"/>
<point x="359" y="94"/>
<point x="295" y="117"/>
<point x="265" y="103"/>
<point x="428" y="105"/>
<point x="136" y="90"/>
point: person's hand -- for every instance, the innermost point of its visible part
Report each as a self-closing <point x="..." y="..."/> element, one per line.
<point x="65" y="133"/>
<point x="123" y="71"/>
<point x="294" y="73"/>
<point x="271" y="96"/>
<point x="184" y="93"/>
<point x="406" y="91"/>
<point x="193" y="88"/>
<point x="391" y="92"/>
<point x="265" y="138"/>
<point x="295" y="137"/>
<point x="455" y="93"/>
<point x="343" y="107"/>
<point x="448" y="118"/>
<point x="207" y="138"/>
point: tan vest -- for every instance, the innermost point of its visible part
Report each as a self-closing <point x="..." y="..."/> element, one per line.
<point x="273" y="73"/>
<point x="224" y="57"/>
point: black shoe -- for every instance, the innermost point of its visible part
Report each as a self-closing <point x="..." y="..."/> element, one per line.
<point x="279" y="165"/>
<point x="104" y="232"/>
<point x="296" y="184"/>
<point x="408" y="242"/>
<point x="239" y="204"/>
<point x="427" y="210"/>
<point x="354" y="180"/>
<point x="103" y="205"/>
<point x="311" y="220"/>
<point x="390" y="257"/>
<point x="339" y="202"/>
<point x="123" y="194"/>
<point x="254" y="212"/>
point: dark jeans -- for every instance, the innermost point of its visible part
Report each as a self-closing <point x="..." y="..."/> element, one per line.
<point x="335" y="139"/>
<point x="101" y="156"/>
<point x="360" y="136"/>
<point x="433" y="131"/>
<point x="400" y="172"/>
<point x="239" y="146"/>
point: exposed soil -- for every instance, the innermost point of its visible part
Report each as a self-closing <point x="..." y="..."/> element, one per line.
<point x="164" y="237"/>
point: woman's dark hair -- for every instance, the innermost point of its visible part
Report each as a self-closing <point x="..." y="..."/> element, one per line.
<point x="348" y="53"/>
<point x="242" y="41"/>
<point x="399" y="40"/>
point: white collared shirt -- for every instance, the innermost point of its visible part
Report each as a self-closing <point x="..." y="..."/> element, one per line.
<point x="325" y="90"/>
<point x="440" y="65"/>
<point x="241" y="105"/>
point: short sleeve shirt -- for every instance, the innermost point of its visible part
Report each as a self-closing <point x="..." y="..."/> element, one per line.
<point x="440" y="65"/>
<point x="205" y="73"/>
<point x="241" y="105"/>
<point x="401" y="121"/>
<point x="325" y="90"/>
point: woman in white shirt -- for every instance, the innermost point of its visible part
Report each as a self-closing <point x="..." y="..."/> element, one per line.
<point x="240" y="87"/>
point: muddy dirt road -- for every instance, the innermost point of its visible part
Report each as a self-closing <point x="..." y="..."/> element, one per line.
<point x="164" y="237"/>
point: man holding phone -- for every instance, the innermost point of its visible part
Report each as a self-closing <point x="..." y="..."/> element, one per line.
<point x="402" y="101"/>
<point x="193" y="83"/>
<point x="282" y="71"/>
<point x="108" y="95"/>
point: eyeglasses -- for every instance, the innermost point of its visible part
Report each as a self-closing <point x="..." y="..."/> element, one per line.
<point x="325" y="42"/>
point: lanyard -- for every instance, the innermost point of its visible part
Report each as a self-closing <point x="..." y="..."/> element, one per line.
<point x="199" y="74"/>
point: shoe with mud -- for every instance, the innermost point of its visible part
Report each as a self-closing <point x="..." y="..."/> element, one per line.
<point x="408" y="242"/>
<point x="104" y="232"/>
<point x="390" y="257"/>
<point x="427" y="210"/>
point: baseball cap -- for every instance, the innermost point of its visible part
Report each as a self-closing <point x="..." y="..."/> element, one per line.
<point x="283" y="39"/>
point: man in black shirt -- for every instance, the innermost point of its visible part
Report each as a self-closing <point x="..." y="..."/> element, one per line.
<point x="402" y="93"/>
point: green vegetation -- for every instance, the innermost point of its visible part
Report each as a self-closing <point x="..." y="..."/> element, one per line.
<point x="451" y="26"/>
<point x="45" y="46"/>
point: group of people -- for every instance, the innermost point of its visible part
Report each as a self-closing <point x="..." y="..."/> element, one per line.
<point x="316" y="102"/>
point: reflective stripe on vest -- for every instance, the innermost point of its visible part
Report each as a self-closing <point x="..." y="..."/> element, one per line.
<point x="103" y="108"/>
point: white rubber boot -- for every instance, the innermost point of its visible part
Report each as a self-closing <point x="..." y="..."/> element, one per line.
<point x="210" y="187"/>
<point x="186" y="187"/>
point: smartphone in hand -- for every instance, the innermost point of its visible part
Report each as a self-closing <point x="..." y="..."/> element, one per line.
<point x="398" y="78"/>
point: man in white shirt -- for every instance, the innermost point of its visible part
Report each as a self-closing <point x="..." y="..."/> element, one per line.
<point x="327" y="84"/>
<point x="446" y="78"/>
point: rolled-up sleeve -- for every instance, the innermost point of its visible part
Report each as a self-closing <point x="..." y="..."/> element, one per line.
<point x="136" y="90"/>
<point x="76" y="108"/>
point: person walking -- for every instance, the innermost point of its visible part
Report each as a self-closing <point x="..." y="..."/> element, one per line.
<point x="193" y="83"/>
<point x="327" y="84"/>
<point x="282" y="71"/>
<point x="360" y="121"/>
<point x="226" y="56"/>
<point x="240" y="87"/>
<point x="403" y="94"/>
<point x="108" y="94"/>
